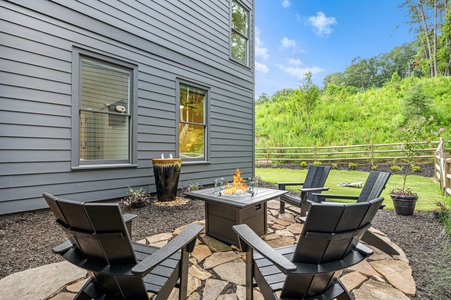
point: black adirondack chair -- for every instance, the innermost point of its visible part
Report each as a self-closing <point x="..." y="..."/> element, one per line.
<point x="329" y="243"/>
<point x="314" y="182"/>
<point x="373" y="187"/>
<point x="99" y="242"/>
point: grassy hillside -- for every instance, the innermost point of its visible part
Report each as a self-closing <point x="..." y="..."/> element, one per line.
<point x="344" y="116"/>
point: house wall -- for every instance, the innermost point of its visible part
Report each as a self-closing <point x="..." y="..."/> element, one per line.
<point x="168" y="40"/>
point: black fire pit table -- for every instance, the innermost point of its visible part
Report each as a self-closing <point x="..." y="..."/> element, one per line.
<point x="224" y="211"/>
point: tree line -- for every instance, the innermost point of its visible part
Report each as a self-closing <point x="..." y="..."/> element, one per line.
<point x="429" y="55"/>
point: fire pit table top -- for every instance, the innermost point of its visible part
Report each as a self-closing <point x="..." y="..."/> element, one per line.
<point x="240" y="201"/>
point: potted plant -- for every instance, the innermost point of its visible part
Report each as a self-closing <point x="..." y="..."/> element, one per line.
<point x="136" y="198"/>
<point x="404" y="199"/>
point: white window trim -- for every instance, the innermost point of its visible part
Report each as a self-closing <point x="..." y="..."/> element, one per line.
<point x="248" y="51"/>
<point x="77" y="54"/>
<point x="207" y="146"/>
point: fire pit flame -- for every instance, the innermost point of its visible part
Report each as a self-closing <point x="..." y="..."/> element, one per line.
<point x="238" y="185"/>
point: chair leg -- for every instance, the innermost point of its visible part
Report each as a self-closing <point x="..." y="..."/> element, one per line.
<point x="346" y="295"/>
<point x="249" y="274"/>
<point x="304" y="204"/>
<point x="372" y="239"/>
<point x="88" y="292"/>
<point x="184" y="274"/>
<point x="282" y="207"/>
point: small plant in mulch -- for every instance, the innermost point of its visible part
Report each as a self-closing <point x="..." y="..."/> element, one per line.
<point x="303" y="164"/>
<point x="352" y="166"/>
<point x="374" y="167"/>
<point x="192" y="187"/>
<point x="334" y="166"/>
<point x="317" y="163"/>
<point x="395" y="168"/>
<point x="415" y="168"/>
<point x="442" y="212"/>
<point x="137" y="197"/>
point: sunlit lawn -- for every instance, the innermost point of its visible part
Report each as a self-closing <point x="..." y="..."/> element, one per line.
<point x="428" y="189"/>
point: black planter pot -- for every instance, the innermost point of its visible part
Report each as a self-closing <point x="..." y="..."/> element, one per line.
<point x="404" y="205"/>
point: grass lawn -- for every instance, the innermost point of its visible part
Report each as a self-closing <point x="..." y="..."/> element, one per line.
<point x="428" y="189"/>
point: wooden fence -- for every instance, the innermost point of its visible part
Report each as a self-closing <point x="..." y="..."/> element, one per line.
<point x="442" y="163"/>
<point x="367" y="153"/>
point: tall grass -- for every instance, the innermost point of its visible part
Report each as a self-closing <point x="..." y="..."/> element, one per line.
<point x="344" y="117"/>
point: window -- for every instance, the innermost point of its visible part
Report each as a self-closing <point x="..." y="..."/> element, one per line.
<point x="240" y="33"/>
<point x="104" y="110"/>
<point x="193" y="124"/>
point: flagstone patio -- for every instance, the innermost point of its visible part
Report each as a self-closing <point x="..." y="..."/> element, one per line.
<point x="217" y="270"/>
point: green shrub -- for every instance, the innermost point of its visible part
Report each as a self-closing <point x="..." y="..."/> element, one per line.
<point x="415" y="168"/>
<point x="303" y="164"/>
<point x="374" y="167"/>
<point x="395" y="168"/>
<point x="352" y="166"/>
<point x="317" y="163"/>
<point x="335" y="166"/>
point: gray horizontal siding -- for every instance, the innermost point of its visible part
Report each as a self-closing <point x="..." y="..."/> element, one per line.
<point x="168" y="40"/>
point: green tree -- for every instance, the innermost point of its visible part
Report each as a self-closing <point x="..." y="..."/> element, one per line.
<point x="416" y="103"/>
<point x="308" y="94"/>
<point x="337" y="78"/>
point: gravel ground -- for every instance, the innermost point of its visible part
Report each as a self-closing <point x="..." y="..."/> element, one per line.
<point x="26" y="240"/>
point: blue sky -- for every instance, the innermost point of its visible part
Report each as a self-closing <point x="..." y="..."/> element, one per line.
<point x="322" y="36"/>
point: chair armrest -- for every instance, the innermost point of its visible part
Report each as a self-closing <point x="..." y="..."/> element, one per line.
<point x="318" y="189"/>
<point x="282" y="185"/>
<point x="364" y="249"/>
<point x="128" y="218"/>
<point x="323" y="197"/>
<point x="63" y="247"/>
<point x="188" y="235"/>
<point x="252" y="240"/>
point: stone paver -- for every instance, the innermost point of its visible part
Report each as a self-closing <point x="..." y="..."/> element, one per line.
<point x="378" y="291"/>
<point x="398" y="273"/>
<point x="215" y="267"/>
<point x="233" y="271"/>
<point x="213" y="288"/>
<point x="201" y="252"/>
<point x="39" y="283"/>
<point x="353" y="280"/>
<point x="219" y="258"/>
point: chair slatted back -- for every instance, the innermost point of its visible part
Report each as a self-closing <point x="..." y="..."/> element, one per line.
<point x="316" y="177"/>
<point x="330" y="233"/>
<point x="374" y="186"/>
<point x="319" y="242"/>
<point x="96" y="229"/>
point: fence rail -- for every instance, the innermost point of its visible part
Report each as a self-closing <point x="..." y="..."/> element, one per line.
<point x="442" y="163"/>
<point x="366" y="153"/>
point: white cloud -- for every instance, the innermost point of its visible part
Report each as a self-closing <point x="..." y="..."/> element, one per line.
<point x="287" y="43"/>
<point x="299" y="72"/>
<point x="260" y="50"/>
<point x="294" y="62"/>
<point x="261" y="67"/>
<point x="322" y="25"/>
<point x="286" y="3"/>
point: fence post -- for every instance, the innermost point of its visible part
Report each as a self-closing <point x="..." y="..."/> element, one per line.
<point x="372" y="154"/>
<point x="267" y="155"/>
<point x="314" y="153"/>
<point x="447" y="180"/>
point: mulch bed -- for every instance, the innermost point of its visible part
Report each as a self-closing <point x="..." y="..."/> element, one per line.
<point x="26" y="240"/>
